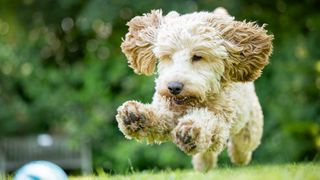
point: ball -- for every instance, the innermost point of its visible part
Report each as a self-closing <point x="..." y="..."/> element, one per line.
<point x="42" y="170"/>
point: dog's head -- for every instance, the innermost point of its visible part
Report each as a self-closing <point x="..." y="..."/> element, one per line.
<point x="196" y="53"/>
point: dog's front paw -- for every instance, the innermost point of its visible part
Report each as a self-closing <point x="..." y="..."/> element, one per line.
<point x="186" y="136"/>
<point x="131" y="118"/>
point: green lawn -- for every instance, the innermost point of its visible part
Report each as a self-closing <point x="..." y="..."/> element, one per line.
<point x="267" y="172"/>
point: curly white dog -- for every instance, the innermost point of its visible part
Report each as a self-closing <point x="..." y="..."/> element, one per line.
<point x="205" y="98"/>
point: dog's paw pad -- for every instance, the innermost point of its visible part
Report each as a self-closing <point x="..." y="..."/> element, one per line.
<point x="186" y="137"/>
<point x="132" y="119"/>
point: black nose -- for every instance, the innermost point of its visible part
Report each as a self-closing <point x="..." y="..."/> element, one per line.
<point x="175" y="87"/>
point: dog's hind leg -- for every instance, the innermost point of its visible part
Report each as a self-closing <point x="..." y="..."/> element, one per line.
<point x="242" y="144"/>
<point x="205" y="161"/>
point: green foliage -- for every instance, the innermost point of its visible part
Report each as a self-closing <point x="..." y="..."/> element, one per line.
<point x="62" y="72"/>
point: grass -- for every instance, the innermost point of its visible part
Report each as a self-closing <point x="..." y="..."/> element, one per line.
<point x="310" y="171"/>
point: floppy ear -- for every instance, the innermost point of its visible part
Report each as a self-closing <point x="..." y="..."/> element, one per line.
<point x="248" y="46"/>
<point x="138" y="43"/>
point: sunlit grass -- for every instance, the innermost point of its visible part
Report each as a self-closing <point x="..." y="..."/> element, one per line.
<point x="268" y="172"/>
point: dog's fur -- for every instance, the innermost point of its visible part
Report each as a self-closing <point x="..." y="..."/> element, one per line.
<point x="218" y="106"/>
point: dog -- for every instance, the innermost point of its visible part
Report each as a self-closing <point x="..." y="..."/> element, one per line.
<point x="204" y="98"/>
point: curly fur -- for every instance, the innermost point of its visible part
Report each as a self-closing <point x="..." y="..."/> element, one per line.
<point x="138" y="43"/>
<point x="218" y="106"/>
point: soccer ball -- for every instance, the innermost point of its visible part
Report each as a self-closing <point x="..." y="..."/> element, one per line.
<point x="42" y="170"/>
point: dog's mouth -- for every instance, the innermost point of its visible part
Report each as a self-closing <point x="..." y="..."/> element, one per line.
<point x="178" y="100"/>
<point x="182" y="100"/>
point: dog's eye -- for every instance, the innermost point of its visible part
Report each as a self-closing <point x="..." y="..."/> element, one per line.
<point x="196" y="58"/>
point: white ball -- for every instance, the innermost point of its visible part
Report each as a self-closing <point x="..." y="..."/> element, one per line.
<point x="42" y="170"/>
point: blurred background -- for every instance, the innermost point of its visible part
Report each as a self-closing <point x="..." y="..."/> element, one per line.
<point x="62" y="73"/>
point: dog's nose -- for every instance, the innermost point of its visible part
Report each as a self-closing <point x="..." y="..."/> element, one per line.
<point x="175" y="87"/>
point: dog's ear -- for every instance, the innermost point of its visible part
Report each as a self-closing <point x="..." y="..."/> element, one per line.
<point x="248" y="46"/>
<point x="138" y="42"/>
